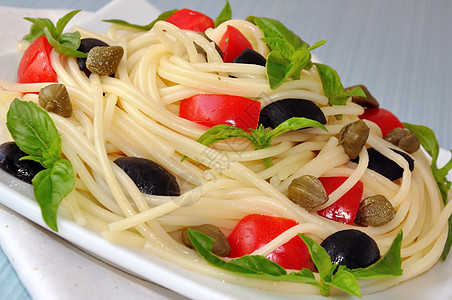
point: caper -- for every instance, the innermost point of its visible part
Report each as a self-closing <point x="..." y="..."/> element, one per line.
<point x="368" y="101"/>
<point x="220" y="245"/>
<point x="353" y="137"/>
<point x="104" y="60"/>
<point x="404" y="139"/>
<point x="307" y="191"/>
<point x="55" y="98"/>
<point x="375" y="211"/>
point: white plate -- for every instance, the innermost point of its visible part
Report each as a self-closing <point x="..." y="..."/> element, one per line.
<point x="434" y="284"/>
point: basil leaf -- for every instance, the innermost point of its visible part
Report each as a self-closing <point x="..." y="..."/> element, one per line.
<point x="259" y="264"/>
<point x="35" y="133"/>
<point x="319" y="256"/>
<point x="50" y="187"/>
<point x="66" y="44"/>
<point x="294" y="123"/>
<point x="31" y="127"/>
<point x="277" y="67"/>
<point x="389" y="265"/>
<point x="333" y="88"/>
<point x="280" y="45"/>
<point x="62" y="48"/>
<point x="221" y="132"/>
<point x="225" y="14"/>
<point x="345" y="281"/>
<point x="162" y="17"/>
<point x="274" y="28"/>
<point x="62" y="22"/>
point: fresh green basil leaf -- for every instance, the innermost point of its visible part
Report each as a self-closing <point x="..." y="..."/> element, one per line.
<point x="274" y="28"/>
<point x="280" y="45"/>
<point x="356" y="91"/>
<point x="62" y="22"/>
<point x="317" y="45"/>
<point x="221" y="132"/>
<point x="62" y="48"/>
<point x="294" y="123"/>
<point x="225" y="14"/>
<point x="277" y="67"/>
<point x="319" y="256"/>
<point x="41" y="23"/>
<point x="31" y="127"/>
<point x="70" y="39"/>
<point x="50" y="187"/>
<point x="259" y="264"/>
<point x="162" y="17"/>
<point x="35" y="32"/>
<point x="332" y="85"/>
<point x="389" y="265"/>
<point x="301" y="59"/>
<point x="345" y="281"/>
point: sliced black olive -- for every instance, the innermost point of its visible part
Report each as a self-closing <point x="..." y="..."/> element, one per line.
<point x="277" y="112"/>
<point x="249" y="56"/>
<point x="220" y="244"/>
<point x="150" y="177"/>
<point x="368" y="101"/>
<point x="24" y="170"/>
<point x="386" y="167"/>
<point x="86" y="45"/>
<point x="352" y="248"/>
<point x="201" y="50"/>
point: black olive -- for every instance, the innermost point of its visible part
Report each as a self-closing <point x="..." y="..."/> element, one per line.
<point x="249" y="56"/>
<point x="386" y="167"/>
<point x="86" y="45"/>
<point x="150" y="177"/>
<point x="352" y="248"/>
<point x="24" y="170"/>
<point x="277" y="112"/>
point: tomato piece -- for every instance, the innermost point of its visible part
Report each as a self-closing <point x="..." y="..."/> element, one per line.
<point x="254" y="231"/>
<point x="385" y="119"/>
<point x="214" y="109"/>
<point x="343" y="210"/>
<point x="35" y="63"/>
<point x="191" y="20"/>
<point x="232" y="43"/>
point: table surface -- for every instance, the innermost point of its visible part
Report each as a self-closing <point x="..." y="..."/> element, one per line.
<point x="399" y="49"/>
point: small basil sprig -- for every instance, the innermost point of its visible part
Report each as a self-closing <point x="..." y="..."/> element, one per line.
<point x="260" y="138"/>
<point x="35" y="133"/>
<point x="429" y="142"/>
<point x="333" y="88"/>
<point x="331" y="275"/>
<point x="162" y="17"/>
<point x="63" y="43"/>
<point x="225" y="14"/>
<point x="289" y="53"/>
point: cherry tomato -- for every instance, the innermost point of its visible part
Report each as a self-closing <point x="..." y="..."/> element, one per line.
<point x="191" y="20"/>
<point x="232" y="43"/>
<point x="343" y="210"/>
<point x="35" y="63"/>
<point x="385" y="119"/>
<point x="213" y="109"/>
<point x="254" y="231"/>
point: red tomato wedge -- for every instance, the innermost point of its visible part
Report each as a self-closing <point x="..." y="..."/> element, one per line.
<point x="35" y="63"/>
<point x="232" y="43"/>
<point x="385" y="119"/>
<point x="191" y="20"/>
<point x="254" y="231"/>
<point x="343" y="210"/>
<point x="214" y="109"/>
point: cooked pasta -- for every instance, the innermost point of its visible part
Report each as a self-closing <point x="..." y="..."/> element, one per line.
<point x="135" y="113"/>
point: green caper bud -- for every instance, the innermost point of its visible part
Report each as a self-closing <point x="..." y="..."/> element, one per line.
<point x="220" y="245"/>
<point x="404" y="139"/>
<point x="368" y="101"/>
<point x="55" y="98"/>
<point x="307" y="191"/>
<point x="375" y="211"/>
<point x="104" y="60"/>
<point x="353" y="137"/>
